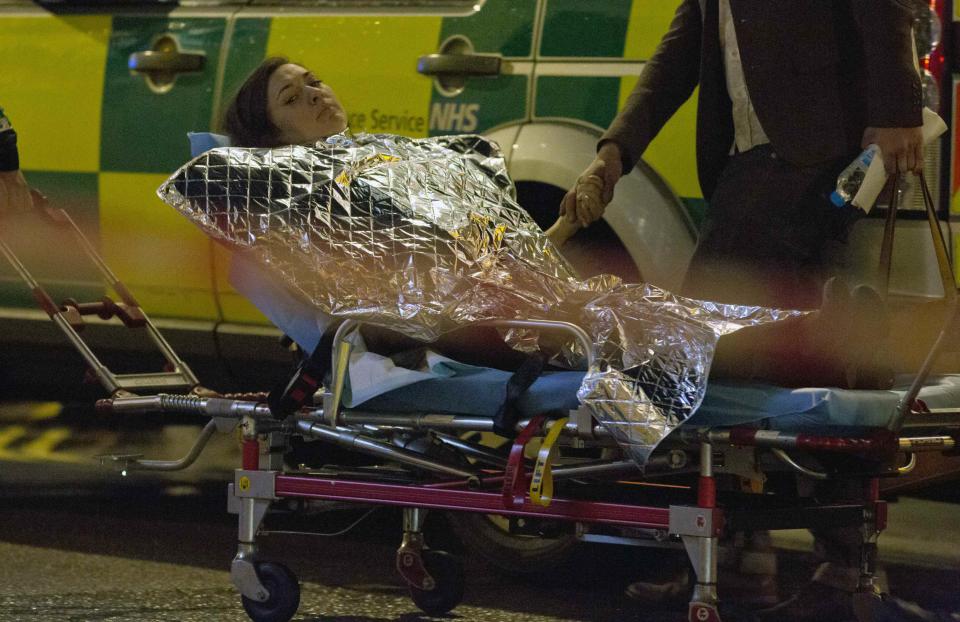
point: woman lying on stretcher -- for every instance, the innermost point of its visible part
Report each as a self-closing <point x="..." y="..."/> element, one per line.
<point x="282" y="103"/>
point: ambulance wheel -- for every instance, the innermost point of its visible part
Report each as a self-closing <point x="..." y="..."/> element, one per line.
<point x="489" y="537"/>
<point x="284" y="594"/>
<point x="447" y="572"/>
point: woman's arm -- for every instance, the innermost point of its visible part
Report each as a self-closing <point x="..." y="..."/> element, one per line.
<point x="561" y="231"/>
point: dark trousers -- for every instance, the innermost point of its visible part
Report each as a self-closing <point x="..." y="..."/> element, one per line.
<point x="772" y="236"/>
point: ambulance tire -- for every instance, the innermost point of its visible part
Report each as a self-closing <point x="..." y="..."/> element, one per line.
<point x="591" y="251"/>
<point x="511" y="554"/>
<point x="447" y="573"/>
<point x="284" y="591"/>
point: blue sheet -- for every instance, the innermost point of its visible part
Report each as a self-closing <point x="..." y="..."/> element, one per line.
<point x="480" y="392"/>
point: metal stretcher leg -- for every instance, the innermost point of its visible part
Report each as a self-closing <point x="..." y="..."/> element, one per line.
<point x="700" y="528"/>
<point x="867" y="597"/>
<point x="243" y="571"/>
<point x="409" y="555"/>
<point x="435" y="578"/>
<point x="270" y="592"/>
<point x="252" y="498"/>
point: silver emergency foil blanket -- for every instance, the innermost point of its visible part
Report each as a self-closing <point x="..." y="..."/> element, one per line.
<point x="425" y="235"/>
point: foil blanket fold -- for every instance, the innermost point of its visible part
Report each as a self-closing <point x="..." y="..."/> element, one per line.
<point x="423" y="236"/>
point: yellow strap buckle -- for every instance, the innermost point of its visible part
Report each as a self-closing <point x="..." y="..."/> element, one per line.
<point x="541" y="485"/>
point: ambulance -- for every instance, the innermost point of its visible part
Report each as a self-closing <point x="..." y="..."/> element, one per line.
<point x="102" y="95"/>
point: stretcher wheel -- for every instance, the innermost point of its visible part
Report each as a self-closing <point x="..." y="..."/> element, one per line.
<point x="447" y="572"/>
<point x="284" y="594"/>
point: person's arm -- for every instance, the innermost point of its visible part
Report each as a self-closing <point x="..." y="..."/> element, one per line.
<point x="561" y="231"/>
<point x="14" y="192"/>
<point x="895" y="95"/>
<point x="666" y="82"/>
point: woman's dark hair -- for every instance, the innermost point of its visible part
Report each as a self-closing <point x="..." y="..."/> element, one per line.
<point x="247" y="122"/>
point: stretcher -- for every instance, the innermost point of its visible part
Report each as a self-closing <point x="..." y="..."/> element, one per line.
<point x="561" y="467"/>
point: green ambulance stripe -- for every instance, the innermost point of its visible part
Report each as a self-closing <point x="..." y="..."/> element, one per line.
<point x="570" y="30"/>
<point x="159" y="255"/>
<point x="248" y="47"/>
<point x="129" y="144"/>
<point x="593" y="100"/>
<point x="502" y="27"/>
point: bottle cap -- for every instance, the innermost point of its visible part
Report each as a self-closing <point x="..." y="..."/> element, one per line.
<point x="837" y="199"/>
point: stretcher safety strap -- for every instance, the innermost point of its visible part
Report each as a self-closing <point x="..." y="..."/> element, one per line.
<point x="514" y="478"/>
<point x="541" y="486"/>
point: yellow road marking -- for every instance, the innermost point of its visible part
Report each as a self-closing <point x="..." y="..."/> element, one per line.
<point x="43" y="448"/>
<point x="10" y="434"/>
<point x="45" y="410"/>
<point x="46" y="443"/>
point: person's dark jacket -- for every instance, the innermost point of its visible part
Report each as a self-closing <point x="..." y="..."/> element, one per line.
<point x="818" y="72"/>
<point x="9" y="158"/>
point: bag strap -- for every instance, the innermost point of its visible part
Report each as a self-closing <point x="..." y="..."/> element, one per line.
<point x="947" y="277"/>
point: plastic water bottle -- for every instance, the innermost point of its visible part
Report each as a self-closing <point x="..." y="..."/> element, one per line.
<point x="848" y="183"/>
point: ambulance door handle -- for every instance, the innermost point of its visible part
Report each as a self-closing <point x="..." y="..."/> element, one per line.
<point x="440" y="65"/>
<point x="150" y="61"/>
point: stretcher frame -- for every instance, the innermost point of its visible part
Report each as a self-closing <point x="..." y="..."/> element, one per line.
<point x="270" y="592"/>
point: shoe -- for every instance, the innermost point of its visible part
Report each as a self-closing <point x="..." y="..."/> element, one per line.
<point x="745" y="591"/>
<point x="748" y="591"/>
<point x="669" y="594"/>
<point x="815" y="602"/>
<point x="886" y="608"/>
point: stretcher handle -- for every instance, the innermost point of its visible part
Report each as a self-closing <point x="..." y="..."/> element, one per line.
<point x="106" y="309"/>
<point x="68" y="317"/>
<point x="578" y="333"/>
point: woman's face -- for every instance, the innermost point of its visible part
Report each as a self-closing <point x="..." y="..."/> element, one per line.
<point x="302" y="107"/>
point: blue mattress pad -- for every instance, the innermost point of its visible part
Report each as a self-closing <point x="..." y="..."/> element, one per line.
<point x="480" y="392"/>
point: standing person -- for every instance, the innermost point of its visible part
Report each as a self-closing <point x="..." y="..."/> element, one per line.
<point x="789" y="93"/>
<point x="14" y="192"/>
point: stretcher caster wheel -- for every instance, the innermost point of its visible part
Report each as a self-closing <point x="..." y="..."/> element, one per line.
<point x="284" y="594"/>
<point x="447" y="573"/>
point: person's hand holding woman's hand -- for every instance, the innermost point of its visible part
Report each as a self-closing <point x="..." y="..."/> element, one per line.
<point x="14" y="192"/>
<point x="902" y="147"/>
<point x="585" y="202"/>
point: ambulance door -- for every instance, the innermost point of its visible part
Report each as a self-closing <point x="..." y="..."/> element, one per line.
<point x="160" y="78"/>
<point x="102" y="102"/>
<point x="101" y="97"/>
